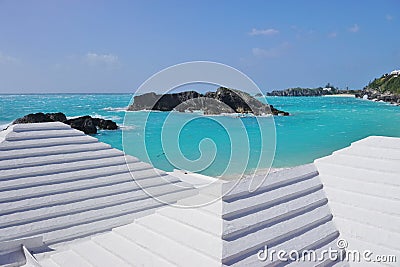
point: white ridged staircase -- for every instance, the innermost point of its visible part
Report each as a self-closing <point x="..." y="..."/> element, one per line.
<point x="289" y="211"/>
<point x="362" y="183"/>
<point x="60" y="184"/>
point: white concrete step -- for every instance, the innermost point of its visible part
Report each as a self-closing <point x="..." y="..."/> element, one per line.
<point x="63" y="167"/>
<point x="54" y="223"/>
<point x="66" y="197"/>
<point x="391" y="192"/>
<point x="45" y="126"/>
<point x="93" y="227"/>
<point x="55" y="150"/>
<point x="97" y="255"/>
<point x="315" y="239"/>
<point x="12" y="259"/>
<point x="379" y="141"/>
<point x="28" y="215"/>
<point x="73" y="175"/>
<point x="79" y="185"/>
<point x="195" y="217"/>
<point x="108" y="222"/>
<point x="268" y="215"/>
<point x="184" y="234"/>
<point x="370" y="152"/>
<point x="375" y="203"/>
<point x="322" y="258"/>
<point x="139" y="175"/>
<point x="48" y="262"/>
<point x="49" y="189"/>
<point x="361" y="174"/>
<point x="311" y="240"/>
<point x="58" y="159"/>
<point x="266" y="198"/>
<point x="205" y="203"/>
<point x="365" y="215"/>
<point x="379" y="165"/>
<point x="368" y="233"/>
<point x="46" y="200"/>
<point x="24" y="144"/>
<point x="170" y="249"/>
<point x="275" y="233"/>
<point x="359" y="245"/>
<point x="129" y="251"/>
<point x="273" y="180"/>
<point x="69" y="258"/>
<point x="33" y="135"/>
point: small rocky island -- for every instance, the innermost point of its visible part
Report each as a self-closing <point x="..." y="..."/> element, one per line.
<point x="224" y="100"/>
<point x="86" y="124"/>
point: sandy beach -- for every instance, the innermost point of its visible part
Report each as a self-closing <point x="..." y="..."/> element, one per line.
<point x="340" y="95"/>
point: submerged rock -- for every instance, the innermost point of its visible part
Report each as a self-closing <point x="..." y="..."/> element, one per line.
<point x="86" y="124"/>
<point x="224" y="100"/>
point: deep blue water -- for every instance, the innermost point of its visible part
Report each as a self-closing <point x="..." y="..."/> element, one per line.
<point x="317" y="127"/>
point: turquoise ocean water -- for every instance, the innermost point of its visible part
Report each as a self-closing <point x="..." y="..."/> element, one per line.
<point x="317" y="127"/>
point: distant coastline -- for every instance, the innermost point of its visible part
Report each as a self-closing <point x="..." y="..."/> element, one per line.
<point x="383" y="89"/>
<point x="328" y="90"/>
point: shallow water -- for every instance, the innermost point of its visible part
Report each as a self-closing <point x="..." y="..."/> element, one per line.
<point x="317" y="127"/>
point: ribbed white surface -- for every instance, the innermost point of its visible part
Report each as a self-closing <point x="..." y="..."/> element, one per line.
<point x="362" y="183"/>
<point x="61" y="184"/>
<point x="289" y="211"/>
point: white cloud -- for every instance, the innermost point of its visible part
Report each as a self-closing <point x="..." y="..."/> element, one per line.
<point x="332" y="35"/>
<point x="95" y="59"/>
<point x="389" y="17"/>
<point x="354" y="28"/>
<point x="263" y="32"/>
<point x="5" y="59"/>
<point x="271" y="52"/>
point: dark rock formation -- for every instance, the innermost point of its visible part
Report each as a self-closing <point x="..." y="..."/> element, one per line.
<point x="34" y="118"/>
<point x="224" y="100"/>
<point x="86" y="124"/>
<point x="167" y="102"/>
<point x="57" y="116"/>
<point x="375" y="95"/>
<point x="105" y="124"/>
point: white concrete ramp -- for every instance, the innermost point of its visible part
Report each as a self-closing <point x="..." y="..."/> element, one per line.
<point x="362" y="183"/>
<point x="288" y="212"/>
<point x="60" y="184"/>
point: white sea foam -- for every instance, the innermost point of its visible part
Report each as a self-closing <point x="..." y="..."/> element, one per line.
<point x="113" y="118"/>
<point x="95" y="115"/>
<point x="127" y="128"/>
<point x="117" y="109"/>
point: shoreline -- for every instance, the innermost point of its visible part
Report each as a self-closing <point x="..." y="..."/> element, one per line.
<point x="340" y="95"/>
<point x="259" y="172"/>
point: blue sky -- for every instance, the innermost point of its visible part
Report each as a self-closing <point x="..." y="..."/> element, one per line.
<point x="114" y="46"/>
